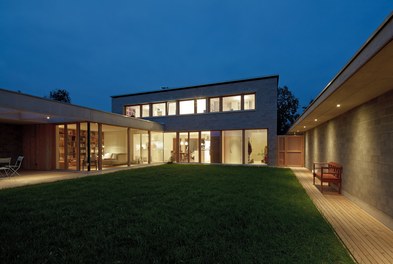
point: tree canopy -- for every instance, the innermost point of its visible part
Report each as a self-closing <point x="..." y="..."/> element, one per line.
<point x="287" y="106"/>
<point x="60" y="95"/>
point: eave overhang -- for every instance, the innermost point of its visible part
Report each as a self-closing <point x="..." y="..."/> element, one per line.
<point x="368" y="75"/>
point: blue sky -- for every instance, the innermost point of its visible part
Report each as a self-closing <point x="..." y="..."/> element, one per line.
<point x="96" y="49"/>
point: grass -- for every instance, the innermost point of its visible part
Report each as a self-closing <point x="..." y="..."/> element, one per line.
<point x="168" y="214"/>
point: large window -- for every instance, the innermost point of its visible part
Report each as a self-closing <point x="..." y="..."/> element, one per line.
<point x="232" y="147"/>
<point x="171" y="108"/>
<point x="159" y="109"/>
<point x="139" y="141"/>
<point x="249" y="101"/>
<point x="157" y="147"/>
<point x="193" y="106"/>
<point x="145" y="110"/>
<point x="170" y="147"/>
<point x="201" y="106"/>
<point x="133" y="111"/>
<point x="255" y="148"/>
<point x="187" y="107"/>
<point x="214" y="104"/>
<point x="193" y="145"/>
<point x="183" y="147"/>
<point x="231" y="103"/>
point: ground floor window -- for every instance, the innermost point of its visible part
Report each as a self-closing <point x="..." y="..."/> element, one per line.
<point x="232" y="147"/>
<point x="85" y="146"/>
<point x="227" y="146"/>
<point x="255" y="148"/>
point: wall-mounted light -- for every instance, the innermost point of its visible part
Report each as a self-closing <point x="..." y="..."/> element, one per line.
<point x="304" y="126"/>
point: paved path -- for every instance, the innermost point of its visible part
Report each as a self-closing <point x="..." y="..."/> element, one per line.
<point x="368" y="240"/>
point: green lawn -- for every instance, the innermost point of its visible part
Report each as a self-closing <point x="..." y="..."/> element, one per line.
<point x="168" y="214"/>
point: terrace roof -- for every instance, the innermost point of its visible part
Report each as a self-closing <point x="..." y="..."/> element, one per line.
<point x="366" y="76"/>
<point x="19" y="108"/>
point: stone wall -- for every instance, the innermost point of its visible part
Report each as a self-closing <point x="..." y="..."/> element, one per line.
<point x="362" y="141"/>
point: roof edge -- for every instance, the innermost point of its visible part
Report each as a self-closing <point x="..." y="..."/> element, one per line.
<point x="199" y="85"/>
<point x="315" y="102"/>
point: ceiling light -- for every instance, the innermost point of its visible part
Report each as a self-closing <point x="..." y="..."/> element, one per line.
<point x="48" y="117"/>
<point x="315" y="119"/>
<point x="338" y="105"/>
<point x="304" y="126"/>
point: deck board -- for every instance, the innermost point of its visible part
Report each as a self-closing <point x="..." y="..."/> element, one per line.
<point x="367" y="239"/>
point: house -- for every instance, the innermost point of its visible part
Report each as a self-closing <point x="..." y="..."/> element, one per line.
<point x="54" y="135"/>
<point x="232" y="122"/>
<point x="351" y="122"/>
<point x="229" y="122"/>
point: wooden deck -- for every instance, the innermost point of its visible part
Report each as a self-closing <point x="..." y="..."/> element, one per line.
<point x="368" y="240"/>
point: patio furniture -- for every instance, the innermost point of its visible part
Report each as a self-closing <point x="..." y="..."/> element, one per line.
<point x="329" y="172"/>
<point x="14" y="168"/>
<point x="4" y="166"/>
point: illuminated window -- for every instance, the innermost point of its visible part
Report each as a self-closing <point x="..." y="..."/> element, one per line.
<point x="159" y="109"/>
<point x="145" y="110"/>
<point x="186" y="107"/>
<point x="171" y="108"/>
<point x="133" y="111"/>
<point x="231" y="103"/>
<point x="201" y="106"/>
<point x="249" y="101"/>
<point x="214" y="104"/>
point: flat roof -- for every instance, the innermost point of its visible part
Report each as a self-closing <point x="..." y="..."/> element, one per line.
<point x="198" y="86"/>
<point x="367" y="75"/>
<point x="19" y="108"/>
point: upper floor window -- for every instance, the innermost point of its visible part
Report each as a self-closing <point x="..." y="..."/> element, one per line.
<point x="249" y="102"/>
<point x="133" y="111"/>
<point x="231" y="103"/>
<point x="159" y="109"/>
<point x="215" y="104"/>
<point x="171" y="106"/>
<point x="145" y="110"/>
<point x="186" y="107"/>
<point x="201" y="106"/>
<point x="194" y="106"/>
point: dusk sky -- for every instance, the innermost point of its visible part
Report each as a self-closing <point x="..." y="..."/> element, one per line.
<point x="95" y="49"/>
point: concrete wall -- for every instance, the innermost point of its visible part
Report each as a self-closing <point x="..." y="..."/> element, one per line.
<point x="264" y="116"/>
<point x="362" y="141"/>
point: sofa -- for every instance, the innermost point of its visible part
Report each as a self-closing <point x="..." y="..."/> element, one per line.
<point x="114" y="159"/>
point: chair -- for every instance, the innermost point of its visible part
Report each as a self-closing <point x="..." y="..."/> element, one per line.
<point x="5" y="166"/>
<point x="14" y="168"/>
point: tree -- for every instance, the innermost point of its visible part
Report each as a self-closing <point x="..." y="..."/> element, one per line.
<point x="287" y="106"/>
<point x="60" y="95"/>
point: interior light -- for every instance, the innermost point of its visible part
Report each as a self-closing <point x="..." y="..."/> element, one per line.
<point x="338" y="105"/>
<point x="304" y="126"/>
<point x="48" y="117"/>
<point x="315" y="119"/>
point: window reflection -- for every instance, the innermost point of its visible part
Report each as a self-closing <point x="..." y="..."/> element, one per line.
<point x="159" y="109"/>
<point x="201" y="106"/>
<point x="171" y="108"/>
<point x="214" y="104"/>
<point x="145" y="110"/>
<point x="231" y="103"/>
<point x="187" y="107"/>
<point x="133" y="111"/>
<point x="249" y="101"/>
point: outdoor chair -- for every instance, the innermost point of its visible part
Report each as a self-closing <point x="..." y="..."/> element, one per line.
<point x="14" y="168"/>
<point x="5" y="166"/>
